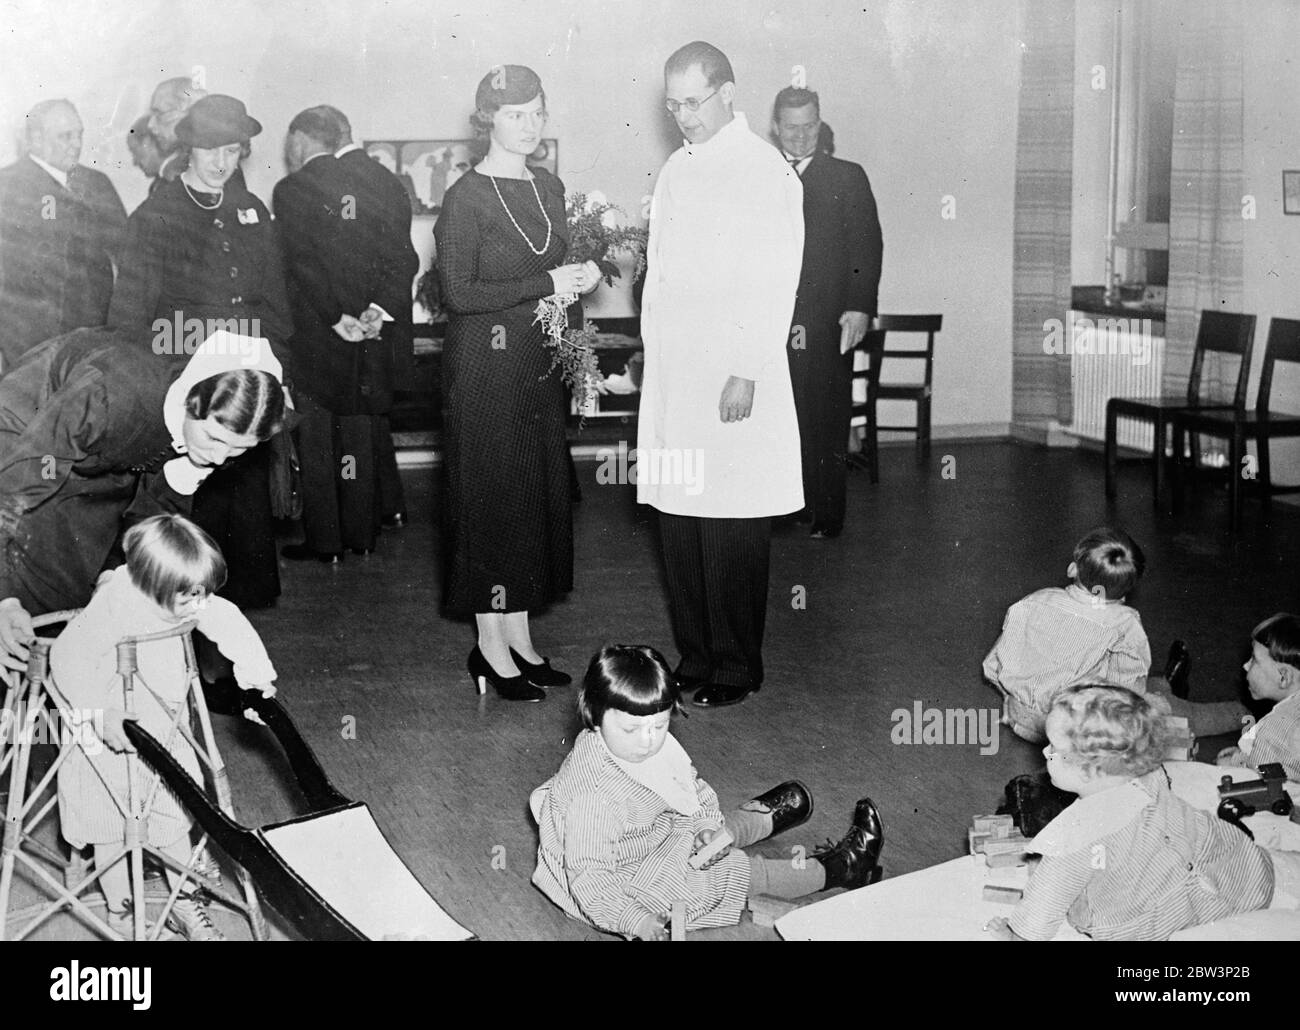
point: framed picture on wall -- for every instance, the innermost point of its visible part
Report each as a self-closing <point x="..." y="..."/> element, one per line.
<point x="1291" y="192"/>
<point x="428" y="167"/>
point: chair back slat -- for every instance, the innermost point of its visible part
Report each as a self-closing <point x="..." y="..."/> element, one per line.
<point x="1223" y="332"/>
<point x="1283" y="345"/>
<point x="927" y="324"/>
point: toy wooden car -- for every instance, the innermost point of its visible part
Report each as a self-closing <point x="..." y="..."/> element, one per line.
<point x="1245" y="797"/>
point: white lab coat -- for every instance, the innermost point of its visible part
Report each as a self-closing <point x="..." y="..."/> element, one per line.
<point x="726" y="244"/>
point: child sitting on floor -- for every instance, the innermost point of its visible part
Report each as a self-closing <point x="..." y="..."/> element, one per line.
<point x="1129" y="860"/>
<point x="172" y="572"/>
<point x="1272" y="674"/>
<point x="621" y="819"/>
<point x="1059" y="638"/>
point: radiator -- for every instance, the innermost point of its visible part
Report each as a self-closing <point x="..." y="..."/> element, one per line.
<point x="1113" y="357"/>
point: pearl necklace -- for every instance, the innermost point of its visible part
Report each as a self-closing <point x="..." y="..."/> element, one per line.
<point x="547" y="244"/>
<point x="221" y="195"/>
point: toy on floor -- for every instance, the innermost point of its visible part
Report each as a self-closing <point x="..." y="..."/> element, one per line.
<point x="1245" y="797"/>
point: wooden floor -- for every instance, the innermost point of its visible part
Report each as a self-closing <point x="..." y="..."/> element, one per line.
<point x="899" y="611"/>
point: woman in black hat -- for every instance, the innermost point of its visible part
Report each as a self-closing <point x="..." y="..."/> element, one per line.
<point x="502" y="241"/>
<point x="200" y="257"/>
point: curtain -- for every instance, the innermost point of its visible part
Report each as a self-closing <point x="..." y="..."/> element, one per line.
<point x="1041" y="387"/>
<point x="1206" y="224"/>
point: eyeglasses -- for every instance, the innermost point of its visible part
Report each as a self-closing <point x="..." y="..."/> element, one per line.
<point x="691" y="104"/>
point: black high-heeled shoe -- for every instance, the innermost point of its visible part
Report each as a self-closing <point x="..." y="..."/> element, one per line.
<point x="541" y="675"/>
<point x="511" y="688"/>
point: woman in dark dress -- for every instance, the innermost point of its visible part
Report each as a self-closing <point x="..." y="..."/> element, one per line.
<point x="501" y="240"/>
<point x="200" y="255"/>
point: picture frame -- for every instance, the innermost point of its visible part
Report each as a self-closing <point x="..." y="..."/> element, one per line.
<point x="1291" y="191"/>
<point x="428" y="167"/>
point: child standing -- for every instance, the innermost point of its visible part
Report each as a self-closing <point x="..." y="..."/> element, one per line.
<point x="620" y="820"/>
<point x="1272" y="674"/>
<point x="172" y="572"/>
<point x="1129" y="860"/>
<point x="1059" y="638"/>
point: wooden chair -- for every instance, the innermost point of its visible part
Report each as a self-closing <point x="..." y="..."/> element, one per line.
<point x="1219" y="331"/>
<point x="873" y="345"/>
<point x="1239" y="425"/>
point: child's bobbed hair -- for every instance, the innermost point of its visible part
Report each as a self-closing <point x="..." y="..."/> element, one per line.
<point x="1110" y="560"/>
<point x="1114" y="730"/>
<point x="1280" y="635"/>
<point x="632" y="678"/>
<point x="168" y="555"/>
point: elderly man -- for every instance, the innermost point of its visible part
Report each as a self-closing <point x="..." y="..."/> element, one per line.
<point x="717" y="436"/>
<point x="170" y="102"/>
<point x="838" y="288"/>
<point x="60" y="225"/>
<point x="345" y="240"/>
<point x="146" y="154"/>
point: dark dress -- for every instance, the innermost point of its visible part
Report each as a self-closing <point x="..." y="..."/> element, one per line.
<point x="508" y="523"/>
<point x="184" y="262"/>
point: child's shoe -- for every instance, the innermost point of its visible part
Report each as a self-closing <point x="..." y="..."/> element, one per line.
<point x="789" y="804"/>
<point x="191" y="919"/>
<point x="1177" y="667"/>
<point x="855" y="861"/>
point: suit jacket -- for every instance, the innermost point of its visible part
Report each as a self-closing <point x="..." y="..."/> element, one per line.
<point x="56" y="250"/>
<point x="842" y="249"/>
<point x="345" y="239"/>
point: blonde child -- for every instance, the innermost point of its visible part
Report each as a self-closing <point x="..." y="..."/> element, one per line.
<point x="620" y="820"/>
<point x="1272" y="674"/>
<point x="172" y="572"/>
<point x="1129" y="860"/>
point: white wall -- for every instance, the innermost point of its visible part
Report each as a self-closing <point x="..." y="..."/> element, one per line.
<point x="921" y="92"/>
<point x="1272" y="239"/>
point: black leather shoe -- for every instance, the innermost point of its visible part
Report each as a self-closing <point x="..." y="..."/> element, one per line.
<point x="1177" y="668"/>
<point x="510" y="688"/>
<point x="855" y="861"/>
<point x="685" y="683"/>
<point x="719" y="695"/>
<point x="541" y="675"/>
<point x="301" y="552"/>
<point x="790" y="804"/>
<point x="825" y="531"/>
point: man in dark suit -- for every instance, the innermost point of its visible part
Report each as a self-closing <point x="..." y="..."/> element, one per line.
<point x="60" y="225"/>
<point x="838" y="287"/>
<point x="345" y="232"/>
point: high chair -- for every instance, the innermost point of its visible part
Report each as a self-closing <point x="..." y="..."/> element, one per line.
<point x="34" y="706"/>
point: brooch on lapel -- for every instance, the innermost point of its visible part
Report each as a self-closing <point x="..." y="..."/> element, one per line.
<point x="248" y="217"/>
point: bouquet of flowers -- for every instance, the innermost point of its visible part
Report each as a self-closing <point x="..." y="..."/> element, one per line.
<point x="595" y="236"/>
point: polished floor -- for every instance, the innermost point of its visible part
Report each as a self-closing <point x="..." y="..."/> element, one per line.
<point x="897" y="613"/>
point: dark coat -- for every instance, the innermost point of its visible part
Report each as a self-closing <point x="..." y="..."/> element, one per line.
<point x="200" y="264"/>
<point x="345" y="238"/>
<point x="82" y="445"/>
<point x="56" y="250"/>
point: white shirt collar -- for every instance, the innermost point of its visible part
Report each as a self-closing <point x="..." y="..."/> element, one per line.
<point x="347" y="150"/>
<point x="738" y="124"/>
<point x="60" y="177"/>
<point x="321" y="153"/>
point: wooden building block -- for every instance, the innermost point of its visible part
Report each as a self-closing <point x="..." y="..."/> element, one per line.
<point x="977" y="840"/>
<point x="1002" y="895"/>
<point x="678" y="932"/>
<point x="1006" y="860"/>
<point x="1010" y="846"/>
<point x="766" y="910"/>
<point x="997" y="825"/>
<point x="722" y="839"/>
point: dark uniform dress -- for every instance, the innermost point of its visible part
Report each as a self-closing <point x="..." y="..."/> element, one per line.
<point x="508" y="523"/>
<point x="82" y="445"/>
<point x="194" y="259"/>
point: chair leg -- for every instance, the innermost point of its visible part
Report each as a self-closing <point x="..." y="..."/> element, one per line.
<point x="1158" y="462"/>
<point x="873" y="447"/>
<point x="1176" y="471"/>
<point x="923" y="431"/>
<point x="1264" y="472"/>
<point x="1235" y="451"/>
<point x="1111" y="422"/>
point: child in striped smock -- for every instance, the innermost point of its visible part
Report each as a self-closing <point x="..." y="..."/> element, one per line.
<point x="1129" y="860"/>
<point x="1272" y="674"/>
<point x="1064" y="637"/>
<point x="619" y="822"/>
<point x="172" y="571"/>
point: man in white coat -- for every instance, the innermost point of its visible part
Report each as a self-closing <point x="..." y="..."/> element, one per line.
<point x="718" y="439"/>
